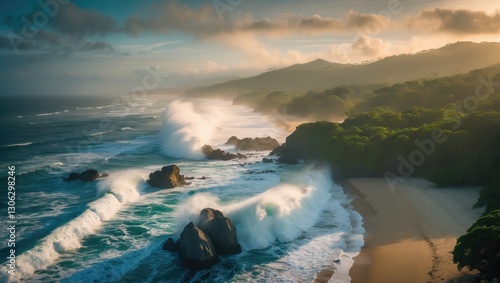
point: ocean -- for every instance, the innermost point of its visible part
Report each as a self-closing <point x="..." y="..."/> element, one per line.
<point x="292" y="220"/>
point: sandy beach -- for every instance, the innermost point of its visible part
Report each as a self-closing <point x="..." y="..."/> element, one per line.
<point x="411" y="230"/>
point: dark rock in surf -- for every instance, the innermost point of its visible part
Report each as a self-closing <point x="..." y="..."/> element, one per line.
<point x="232" y="140"/>
<point x="195" y="248"/>
<point x="218" y="154"/>
<point x="256" y="144"/>
<point x="290" y="160"/>
<point x="286" y="155"/>
<point x="166" y="178"/>
<point x="170" y="245"/>
<point x="260" y="172"/>
<point x="221" y="230"/>
<point x="86" y="176"/>
<point x="267" y="160"/>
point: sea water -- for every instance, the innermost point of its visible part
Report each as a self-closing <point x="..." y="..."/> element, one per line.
<point x="291" y="221"/>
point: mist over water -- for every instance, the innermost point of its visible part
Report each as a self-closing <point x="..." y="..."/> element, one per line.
<point x="291" y="221"/>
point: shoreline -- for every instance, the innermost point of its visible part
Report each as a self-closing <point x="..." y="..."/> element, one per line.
<point x="411" y="230"/>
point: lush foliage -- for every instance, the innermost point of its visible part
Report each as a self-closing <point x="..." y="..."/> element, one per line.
<point x="333" y="104"/>
<point x="479" y="248"/>
<point x="451" y="149"/>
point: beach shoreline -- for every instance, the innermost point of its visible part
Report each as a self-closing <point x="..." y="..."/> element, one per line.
<point x="411" y="230"/>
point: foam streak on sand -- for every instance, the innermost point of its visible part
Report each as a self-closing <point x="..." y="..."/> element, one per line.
<point x="411" y="230"/>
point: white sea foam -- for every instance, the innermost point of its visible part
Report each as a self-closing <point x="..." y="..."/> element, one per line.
<point x="19" y="144"/>
<point x="185" y="130"/>
<point x="48" y="114"/>
<point x="118" y="189"/>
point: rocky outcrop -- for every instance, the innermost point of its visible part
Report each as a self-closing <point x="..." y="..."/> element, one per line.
<point x="86" y="176"/>
<point x="198" y="246"/>
<point x="166" y="178"/>
<point x="267" y="160"/>
<point x="232" y="140"/>
<point x="256" y="144"/>
<point x="170" y="245"/>
<point x="218" y="154"/>
<point x="221" y="230"/>
<point x="195" y="248"/>
<point x="286" y="155"/>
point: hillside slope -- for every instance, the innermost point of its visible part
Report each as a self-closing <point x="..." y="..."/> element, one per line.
<point x="320" y="74"/>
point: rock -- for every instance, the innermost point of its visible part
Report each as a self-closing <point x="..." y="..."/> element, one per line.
<point x="278" y="151"/>
<point x="195" y="248"/>
<point x="86" y="176"/>
<point x="257" y="144"/>
<point x="232" y="140"/>
<point x="267" y="160"/>
<point x="260" y="172"/>
<point x="170" y="245"/>
<point x="288" y="160"/>
<point x="219" y="154"/>
<point x="221" y="230"/>
<point x="286" y="155"/>
<point x="166" y="178"/>
<point x="89" y="175"/>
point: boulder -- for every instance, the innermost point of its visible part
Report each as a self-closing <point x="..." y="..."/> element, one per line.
<point x="291" y="160"/>
<point x="267" y="160"/>
<point x="221" y="230"/>
<point x="86" y="176"/>
<point x="166" y="178"/>
<point x="170" y="245"/>
<point x="256" y="144"/>
<point x="286" y="155"/>
<point x="232" y="140"/>
<point x="218" y="154"/>
<point x="195" y="248"/>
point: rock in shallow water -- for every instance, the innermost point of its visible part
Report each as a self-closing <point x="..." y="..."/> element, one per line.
<point x="166" y="178"/>
<point x="218" y="154"/>
<point x="170" y="245"/>
<point x="221" y="230"/>
<point x="86" y="176"/>
<point x="256" y="144"/>
<point x="195" y="248"/>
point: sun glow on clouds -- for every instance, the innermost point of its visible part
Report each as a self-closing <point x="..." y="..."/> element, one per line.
<point x="195" y="41"/>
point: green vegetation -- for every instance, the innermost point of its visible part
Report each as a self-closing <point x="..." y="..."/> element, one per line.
<point x="430" y="93"/>
<point x="330" y="104"/>
<point x="479" y="248"/>
<point x="334" y="103"/>
<point x="433" y="143"/>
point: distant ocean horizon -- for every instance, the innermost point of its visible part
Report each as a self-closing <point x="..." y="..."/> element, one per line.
<point x="291" y="221"/>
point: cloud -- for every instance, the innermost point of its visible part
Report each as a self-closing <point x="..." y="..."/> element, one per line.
<point x="203" y="22"/>
<point x="97" y="46"/>
<point x="206" y="67"/>
<point x="75" y="21"/>
<point x="174" y="16"/>
<point x="457" y="22"/>
<point x="367" y="46"/>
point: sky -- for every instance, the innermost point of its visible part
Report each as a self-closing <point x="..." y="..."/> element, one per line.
<point x="85" y="47"/>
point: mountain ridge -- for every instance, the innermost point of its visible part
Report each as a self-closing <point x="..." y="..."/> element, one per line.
<point x="320" y="74"/>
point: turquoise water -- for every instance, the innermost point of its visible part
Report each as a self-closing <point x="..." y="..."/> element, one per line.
<point x="290" y="223"/>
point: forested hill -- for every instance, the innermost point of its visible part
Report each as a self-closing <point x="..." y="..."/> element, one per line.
<point x="453" y="141"/>
<point x="321" y="75"/>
